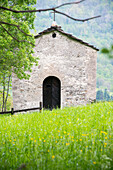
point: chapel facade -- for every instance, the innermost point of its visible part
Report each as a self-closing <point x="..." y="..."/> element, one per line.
<point x="65" y="75"/>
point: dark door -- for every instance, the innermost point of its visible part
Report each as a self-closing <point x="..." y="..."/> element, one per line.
<point x="51" y="93"/>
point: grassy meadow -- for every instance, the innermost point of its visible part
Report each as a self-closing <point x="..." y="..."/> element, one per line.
<point x="72" y="138"/>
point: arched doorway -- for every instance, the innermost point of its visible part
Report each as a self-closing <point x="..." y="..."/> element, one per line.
<point x="51" y="92"/>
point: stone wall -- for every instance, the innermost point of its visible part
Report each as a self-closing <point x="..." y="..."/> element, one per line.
<point x="70" y="61"/>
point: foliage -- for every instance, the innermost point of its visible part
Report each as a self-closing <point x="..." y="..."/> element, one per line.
<point x="71" y="138"/>
<point x="16" y="46"/>
<point x="16" y="43"/>
<point x="107" y="51"/>
<point x="8" y="104"/>
<point x="103" y="96"/>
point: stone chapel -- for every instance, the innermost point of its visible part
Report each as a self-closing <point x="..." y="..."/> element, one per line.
<point x="65" y="75"/>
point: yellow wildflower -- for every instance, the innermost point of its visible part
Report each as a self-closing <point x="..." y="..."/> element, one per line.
<point x="58" y="130"/>
<point x="67" y="144"/>
<point x="61" y="137"/>
<point x="48" y="150"/>
<point x="64" y="131"/>
<point x="105" y="137"/>
<point x="81" y="150"/>
<point x="83" y="134"/>
<point x="44" y="140"/>
<point x="56" y="142"/>
<point x="105" y="143"/>
<point x="34" y="140"/>
<point x="80" y="139"/>
<point x="101" y="149"/>
<point x="9" y="140"/>
<point x="94" y="162"/>
<point x="31" y="138"/>
<point x="53" y="157"/>
<point x="14" y="139"/>
<point x="40" y="139"/>
<point x="72" y="137"/>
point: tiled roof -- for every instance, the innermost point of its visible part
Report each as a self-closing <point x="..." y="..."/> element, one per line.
<point x="58" y="28"/>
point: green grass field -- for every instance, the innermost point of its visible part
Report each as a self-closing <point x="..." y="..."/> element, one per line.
<point x="72" y="138"/>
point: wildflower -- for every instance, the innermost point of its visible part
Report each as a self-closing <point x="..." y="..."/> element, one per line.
<point x="61" y="137"/>
<point x="83" y="134"/>
<point x="80" y="139"/>
<point x="105" y="137"/>
<point x="40" y="139"/>
<point x="67" y="144"/>
<point x="94" y="162"/>
<point x="64" y="132"/>
<point x="34" y="140"/>
<point x="104" y="132"/>
<point x="53" y="157"/>
<point x="3" y="143"/>
<point x="58" y="130"/>
<point x="101" y="150"/>
<point x="31" y="138"/>
<point x="92" y="133"/>
<point x="44" y="140"/>
<point x="48" y="150"/>
<point x="9" y="151"/>
<point x="68" y="133"/>
<point x="56" y="141"/>
<point x="86" y="146"/>
<point x="105" y="143"/>
<point x="9" y="140"/>
<point x="14" y="139"/>
<point x="4" y="128"/>
<point x="72" y="137"/>
<point x="13" y="143"/>
<point x="81" y="150"/>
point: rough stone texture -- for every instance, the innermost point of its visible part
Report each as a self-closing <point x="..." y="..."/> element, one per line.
<point x="70" y="61"/>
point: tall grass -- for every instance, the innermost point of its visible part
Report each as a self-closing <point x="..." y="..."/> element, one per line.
<point x="71" y="138"/>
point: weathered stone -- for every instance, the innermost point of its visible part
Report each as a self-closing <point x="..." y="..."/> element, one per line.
<point x="72" y="62"/>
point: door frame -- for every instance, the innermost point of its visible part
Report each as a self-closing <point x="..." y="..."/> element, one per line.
<point x="59" y="90"/>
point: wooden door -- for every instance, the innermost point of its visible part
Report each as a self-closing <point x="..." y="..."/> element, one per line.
<point x="51" y="93"/>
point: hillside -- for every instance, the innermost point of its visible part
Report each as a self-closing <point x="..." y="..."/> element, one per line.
<point x="98" y="32"/>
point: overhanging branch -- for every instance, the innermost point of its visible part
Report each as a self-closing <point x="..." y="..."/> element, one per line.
<point x="69" y="3"/>
<point x="6" y="23"/>
<point x="15" y="37"/>
<point x="82" y="20"/>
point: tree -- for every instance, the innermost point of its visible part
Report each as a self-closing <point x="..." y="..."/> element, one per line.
<point x="16" y="43"/>
<point x="99" y="95"/>
<point x="16" y="20"/>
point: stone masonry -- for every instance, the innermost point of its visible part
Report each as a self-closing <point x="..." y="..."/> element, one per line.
<point x="69" y="59"/>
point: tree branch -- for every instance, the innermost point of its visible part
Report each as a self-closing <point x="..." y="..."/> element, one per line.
<point x="69" y="3"/>
<point x="54" y="10"/>
<point x="24" y="11"/>
<point x="82" y="20"/>
<point x="15" y="37"/>
<point x="1" y="22"/>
